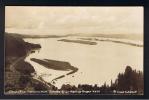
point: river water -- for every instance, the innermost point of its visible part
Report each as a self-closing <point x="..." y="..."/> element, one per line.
<point x="97" y="64"/>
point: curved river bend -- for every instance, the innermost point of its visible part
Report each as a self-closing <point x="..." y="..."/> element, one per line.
<point x="97" y="64"/>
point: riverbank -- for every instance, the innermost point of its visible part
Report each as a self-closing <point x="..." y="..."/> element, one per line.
<point x="19" y="73"/>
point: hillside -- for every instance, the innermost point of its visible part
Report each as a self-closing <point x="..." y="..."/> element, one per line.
<point x="19" y="73"/>
<point x="16" y="46"/>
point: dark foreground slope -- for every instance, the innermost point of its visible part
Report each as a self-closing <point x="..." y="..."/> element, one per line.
<point x="18" y="73"/>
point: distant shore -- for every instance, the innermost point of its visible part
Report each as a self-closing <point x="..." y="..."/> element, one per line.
<point x="115" y="41"/>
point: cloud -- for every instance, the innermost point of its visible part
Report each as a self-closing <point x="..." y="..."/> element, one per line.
<point x="76" y="19"/>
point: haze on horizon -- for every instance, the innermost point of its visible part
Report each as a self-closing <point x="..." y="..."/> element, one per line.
<point x="70" y="20"/>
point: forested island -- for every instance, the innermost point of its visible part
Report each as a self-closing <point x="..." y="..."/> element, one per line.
<point x="79" y="41"/>
<point x="54" y="64"/>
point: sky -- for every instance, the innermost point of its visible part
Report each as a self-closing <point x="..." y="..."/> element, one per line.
<point x="70" y="20"/>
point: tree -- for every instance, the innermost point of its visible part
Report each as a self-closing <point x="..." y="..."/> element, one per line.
<point x="130" y="80"/>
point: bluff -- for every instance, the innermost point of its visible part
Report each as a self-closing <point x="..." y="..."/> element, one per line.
<point x="16" y="46"/>
<point x="18" y="73"/>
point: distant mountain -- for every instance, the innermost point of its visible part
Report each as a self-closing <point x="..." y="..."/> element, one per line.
<point x="117" y="36"/>
<point x="35" y="36"/>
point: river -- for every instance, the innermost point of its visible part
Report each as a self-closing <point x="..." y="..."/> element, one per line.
<point x="97" y="64"/>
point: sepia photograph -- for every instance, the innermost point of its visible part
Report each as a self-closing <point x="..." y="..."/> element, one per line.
<point x="73" y="50"/>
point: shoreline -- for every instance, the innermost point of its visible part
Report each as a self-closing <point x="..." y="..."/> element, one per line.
<point x="56" y="65"/>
